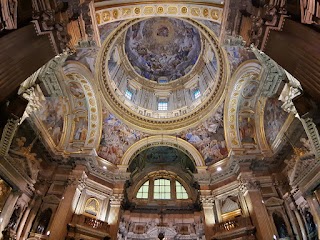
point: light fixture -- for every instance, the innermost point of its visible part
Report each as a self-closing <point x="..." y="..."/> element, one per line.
<point x="219" y="169"/>
<point x="104" y="167"/>
<point x="48" y="233"/>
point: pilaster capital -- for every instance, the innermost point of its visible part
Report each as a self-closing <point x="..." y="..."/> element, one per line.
<point x="207" y="200"/>
<point x="116" y="198"/>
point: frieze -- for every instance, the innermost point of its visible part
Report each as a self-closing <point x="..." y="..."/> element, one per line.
<point x="117" y="13"/>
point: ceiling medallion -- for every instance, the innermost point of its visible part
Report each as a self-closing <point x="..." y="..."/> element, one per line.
<point x="168" y="125"/>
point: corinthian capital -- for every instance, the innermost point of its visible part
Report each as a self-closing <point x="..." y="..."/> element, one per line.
<point x="116" y="198"/>
<point x="207" y="199"/>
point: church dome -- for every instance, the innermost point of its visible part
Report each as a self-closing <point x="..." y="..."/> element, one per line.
<point x="162" y="49"/>
<point x="162" y="73"/>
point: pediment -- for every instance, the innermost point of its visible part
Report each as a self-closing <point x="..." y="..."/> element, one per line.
<point x="51" y="199"/>
<point x="273" y="201"/>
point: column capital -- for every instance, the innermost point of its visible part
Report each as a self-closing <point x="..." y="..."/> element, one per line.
<point x="207" y="200"/>
<point x="116" y="198"/>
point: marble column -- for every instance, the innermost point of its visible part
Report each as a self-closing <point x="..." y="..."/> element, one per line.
<point x="63" y="215"/>
<point x="113" y="218"/>
<point x="315" y="210"/>
<point x="8" y="210"/>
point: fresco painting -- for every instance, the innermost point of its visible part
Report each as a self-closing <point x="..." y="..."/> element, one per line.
<point x="80" y="129"/>
<point x="76" y="90"/>
<point x="274" y="119"/>
<point x="116" y="138"/>
<point x="51" y="115"/>
<point x="208" y="138"/>
<point x="237" y="55"/>
<point x="162" y="48"/>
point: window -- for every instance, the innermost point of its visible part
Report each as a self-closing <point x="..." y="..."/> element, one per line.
<point x="162" y="105"/>
<point x="196" y="93"/>
<point x="128" y="94"/>
<point x="181" y="191"/>
<point x="143" y="191"/>
<point x="162" y="189"/>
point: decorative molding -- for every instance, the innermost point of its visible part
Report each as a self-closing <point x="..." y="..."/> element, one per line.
<point x="186" y="10"/>
<point x="313" y="135"/>
<point x="7" y="135"/>
<point x="273" y="74"/>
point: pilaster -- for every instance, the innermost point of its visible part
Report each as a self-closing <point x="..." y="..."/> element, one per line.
<point x="64" y="211"/>
<point x="250" y="188"/>
<point x="113" y="219"/>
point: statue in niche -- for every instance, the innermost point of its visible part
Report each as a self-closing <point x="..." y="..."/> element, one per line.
<point x="44" y="220"/>
<point x="14" y="218"/>
<point x="280" y="225"/>
<point x="311" y="226"/>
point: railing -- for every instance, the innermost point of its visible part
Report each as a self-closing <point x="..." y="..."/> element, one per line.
<point x="230" y="225"/>
<point x="89" y="222"/>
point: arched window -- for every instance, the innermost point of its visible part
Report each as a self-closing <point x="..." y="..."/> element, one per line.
<point x="163" y="189"/>
<point x="144" y="190"/>
<point x="181" y="191"/>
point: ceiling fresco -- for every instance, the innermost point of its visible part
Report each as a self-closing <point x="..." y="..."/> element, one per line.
<point x="116" y="138"/>
<point x="161" y="155"/>
<point x="106" y="29"/>
<point x="274" y="119"/>
<point x="209" y="138"/>
<point x="51" y="114"/>
<point x="215" y="27"/>
<point x="162" y="48"/>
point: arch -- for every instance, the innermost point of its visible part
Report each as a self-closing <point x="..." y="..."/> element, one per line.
<point x="231" y="107"/>
<point x="84" y="76"/>
<point x="162" y="140"/>
<point x="208" y="11"/>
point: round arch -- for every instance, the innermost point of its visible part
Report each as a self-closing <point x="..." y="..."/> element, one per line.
<point x="84" y="76"/>
<point x="238" y="81"/>
<point x="162" y="140"/>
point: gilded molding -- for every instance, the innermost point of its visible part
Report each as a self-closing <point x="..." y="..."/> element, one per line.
<point x="119" y="12"/>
